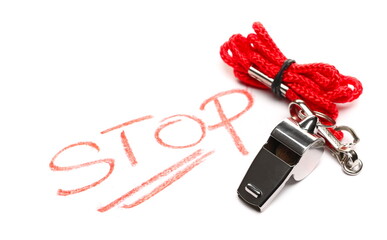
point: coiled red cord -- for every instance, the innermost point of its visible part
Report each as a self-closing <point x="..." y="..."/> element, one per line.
<point x="320" y="85"/>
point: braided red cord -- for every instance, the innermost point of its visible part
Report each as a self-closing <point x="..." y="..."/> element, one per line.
<point x="320" y="85"/>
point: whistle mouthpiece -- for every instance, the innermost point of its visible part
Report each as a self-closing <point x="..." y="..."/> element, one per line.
<point x="265" y="178"/>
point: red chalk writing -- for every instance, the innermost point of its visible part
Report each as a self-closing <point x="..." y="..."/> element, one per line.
<point x="124" y="139"/>
<point x="197" y="120"/>
<point x="191" y="161"/>
<point x="54" y="167"/>
<point x="226" y="122"/>
<point x="170" y="174"/>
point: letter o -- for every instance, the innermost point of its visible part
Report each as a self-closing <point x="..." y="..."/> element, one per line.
<point x="197" y="120"/>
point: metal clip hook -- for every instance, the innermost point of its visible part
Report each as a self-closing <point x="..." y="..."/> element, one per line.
<point x="343" y="152"/>
<point x="346" y="156"/>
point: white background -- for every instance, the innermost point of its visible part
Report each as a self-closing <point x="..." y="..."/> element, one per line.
<point x="71" y="69"/>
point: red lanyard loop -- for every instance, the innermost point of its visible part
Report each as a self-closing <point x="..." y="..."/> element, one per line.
<point x="320" y="85"/>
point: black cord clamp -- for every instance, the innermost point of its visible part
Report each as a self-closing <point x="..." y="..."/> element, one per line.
<point x="276" y="85"/>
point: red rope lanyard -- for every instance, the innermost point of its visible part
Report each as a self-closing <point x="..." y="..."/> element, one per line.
<point x="320" y="85"/>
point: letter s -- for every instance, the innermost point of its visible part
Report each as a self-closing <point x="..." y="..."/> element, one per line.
<point x="54" y="167"/>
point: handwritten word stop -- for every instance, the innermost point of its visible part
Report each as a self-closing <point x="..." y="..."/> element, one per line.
<point x="177" y="122"/>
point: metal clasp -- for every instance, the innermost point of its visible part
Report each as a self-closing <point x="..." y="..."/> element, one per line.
<point x="344" y="153"/>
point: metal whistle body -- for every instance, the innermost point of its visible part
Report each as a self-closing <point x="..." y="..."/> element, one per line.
<point x="292" y="150"/>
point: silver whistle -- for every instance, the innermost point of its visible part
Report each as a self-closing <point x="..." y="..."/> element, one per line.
<point x="293" y="150"/>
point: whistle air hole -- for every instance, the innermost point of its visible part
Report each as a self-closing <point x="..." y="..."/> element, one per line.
<point x="282" y="152"/>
